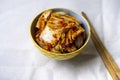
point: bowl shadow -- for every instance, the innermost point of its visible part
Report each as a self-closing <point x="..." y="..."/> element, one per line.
<point x="88" y="55"/>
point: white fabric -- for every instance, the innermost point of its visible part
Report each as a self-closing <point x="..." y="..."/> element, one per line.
<point x="21" y="60"/>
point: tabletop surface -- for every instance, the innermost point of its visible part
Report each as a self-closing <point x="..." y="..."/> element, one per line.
<point x="21" y="60"/>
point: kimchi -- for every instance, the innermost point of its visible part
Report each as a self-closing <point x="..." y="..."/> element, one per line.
<point x="59" y="32"/>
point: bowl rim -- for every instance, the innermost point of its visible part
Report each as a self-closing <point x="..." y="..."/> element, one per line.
<point x="61" y="54"/>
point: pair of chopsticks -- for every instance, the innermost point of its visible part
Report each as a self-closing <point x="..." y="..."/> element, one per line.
<point x="103" y="52"/>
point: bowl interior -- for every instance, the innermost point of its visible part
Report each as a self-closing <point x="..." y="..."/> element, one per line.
<point x="77" y="16"/>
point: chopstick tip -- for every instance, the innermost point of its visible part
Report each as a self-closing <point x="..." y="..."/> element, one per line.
<point x="83" y="13"/>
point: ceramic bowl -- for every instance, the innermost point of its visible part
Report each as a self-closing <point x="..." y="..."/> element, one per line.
<point x="62" y="56"/>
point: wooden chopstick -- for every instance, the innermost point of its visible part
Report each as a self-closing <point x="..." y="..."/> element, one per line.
<point x="103" y="52"/>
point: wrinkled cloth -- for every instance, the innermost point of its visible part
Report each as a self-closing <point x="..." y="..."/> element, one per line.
<point x="21" y="60"/>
